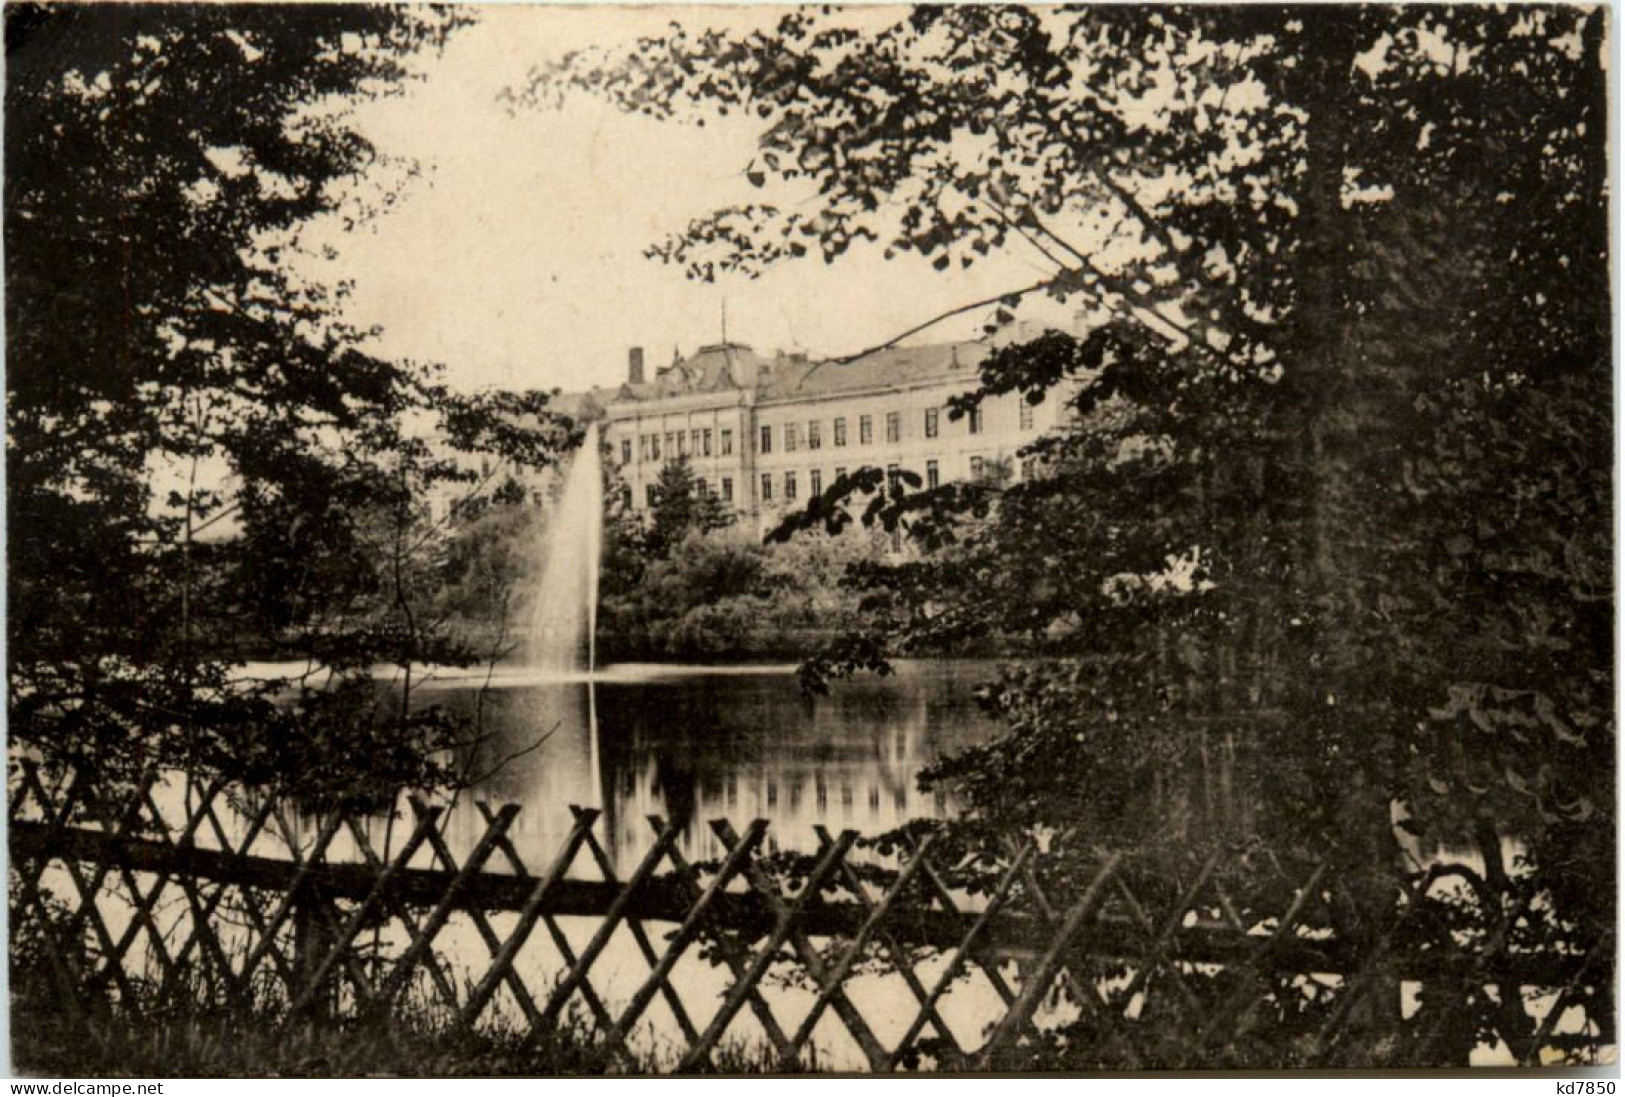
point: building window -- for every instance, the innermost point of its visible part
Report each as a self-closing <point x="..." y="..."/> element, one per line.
<point x="976" y="420"/>
<point x="976" y="468"/>
<point x="654" y="445"/>
<point x="840" y="432"/>
<point x="626" y="451"/>
<point x="789" y="487"/>
<point x="767" y="488"/>
<point x="930" y="422"/>
<point x="790" y="434"/>
<point x="1026" y="415"/>
<point x="816" y="485"/>
<point x="648" y="495"/>
<point x="866" y="430"/>
<point x="727" y="489"/>
<point x="767" y="440"/>
<point x="891" y="478"/>
<point x="814" y="438"/>
<point x="694" y="442"/>
<point x="894" y="426"/>
<point x="727" y="442"/>
<point x="671" y="445"/>
<point x="643" y="447"/>
<point x="701" y="488"/>
<point x="840" y="473"/>
<point x="682" y="444"/>
<point x="626" y="496"/>
<point x="933" y="475"/>
<point x="705" y="440"/>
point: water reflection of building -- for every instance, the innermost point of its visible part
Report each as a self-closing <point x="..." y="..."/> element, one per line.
<point x="850" y="760"/>
<point x="794" y="798"/>
<point x="693" y="746"/>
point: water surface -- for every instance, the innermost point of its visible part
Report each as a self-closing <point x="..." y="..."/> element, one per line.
<point x="695" y="744"/>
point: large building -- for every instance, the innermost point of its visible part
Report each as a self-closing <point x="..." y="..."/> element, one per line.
<point x="766" y="433"/>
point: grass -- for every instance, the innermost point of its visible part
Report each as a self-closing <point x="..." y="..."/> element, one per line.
<point x="191" y="1041"/>
<point x="182" y="1039"/>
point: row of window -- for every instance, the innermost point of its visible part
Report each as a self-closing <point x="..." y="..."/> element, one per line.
<point x="697" y="443"/>
<point x="815" y="481"/>
<point x="791" y="481"/>
<point x="791" y="432"/>
<point x="693" y="443"/>
<point x="725" y="490"/>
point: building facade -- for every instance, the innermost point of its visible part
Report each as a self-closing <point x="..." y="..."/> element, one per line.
<point x="764" y="434"/>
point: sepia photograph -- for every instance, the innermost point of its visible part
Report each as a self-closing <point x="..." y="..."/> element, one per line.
<point x="955" y="539"/>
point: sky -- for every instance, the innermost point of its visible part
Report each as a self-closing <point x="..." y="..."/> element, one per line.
<point x="516" y="258"/>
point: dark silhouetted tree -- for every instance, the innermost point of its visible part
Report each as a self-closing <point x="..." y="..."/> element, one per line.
<point x="1331" y="537"/>
<point x="199" y="451"/>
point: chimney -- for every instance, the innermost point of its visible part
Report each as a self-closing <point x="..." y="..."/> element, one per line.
<point x="634" y="366"/>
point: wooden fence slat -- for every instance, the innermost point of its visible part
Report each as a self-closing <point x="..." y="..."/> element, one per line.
<point x="830" y="983"/>
<point x="141" y="906"/>
<point x="284" y="907"/>
<point x="401" y="911"/>
<point x="237" y="856"/>
<point x="1226" y="1009"/>
<point x="577" y="974"/>
<point x="115" y="843"/>
<point x="31" y="870"/>
<point x="640" y="938"/>
<point x="415" y="952"/>
<point x="358" y="917"/>
<point x="1001" y="892"/>
<point x="990" y="970"/>
<point x="505" y="844"/>
<point x="803" y="947"/>
<point x="482" y="925"/>
<point x="141" y="916"/>
<point x="315" y="909"/>
<point x="732" y="956"/>
<point x="1164" y="935"/>
<point x="57" y="953"/>
<point x="595" y="1005"/>
<point x="691" y="927"/>
<point x="88" y="913"/>
<point x="1561" y="1005"/>
<point x="699" y="1053"/>
<point x="1017" y="1016"/>
<point x="200" y="918"/>
<point x="1084" y="992"/>
<point x="529" y="913"/>
<point x="902" y="961"/>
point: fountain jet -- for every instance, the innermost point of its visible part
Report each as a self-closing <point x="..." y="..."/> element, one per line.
<point x="564" y="619"/>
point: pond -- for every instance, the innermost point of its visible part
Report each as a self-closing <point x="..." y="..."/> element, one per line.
<point x="696" y="744"/>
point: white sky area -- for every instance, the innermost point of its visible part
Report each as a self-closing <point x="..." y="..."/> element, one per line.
<point x="516" y="258"/>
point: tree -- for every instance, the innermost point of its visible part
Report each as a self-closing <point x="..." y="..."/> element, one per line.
<point x="1341" y="505"/>
<point x="198" y="448"/>
<point x="681" y="506"/>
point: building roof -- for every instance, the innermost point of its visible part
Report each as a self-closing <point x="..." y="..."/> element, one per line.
<point x="736" y="367"/>
<point x="892" y="367"/>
